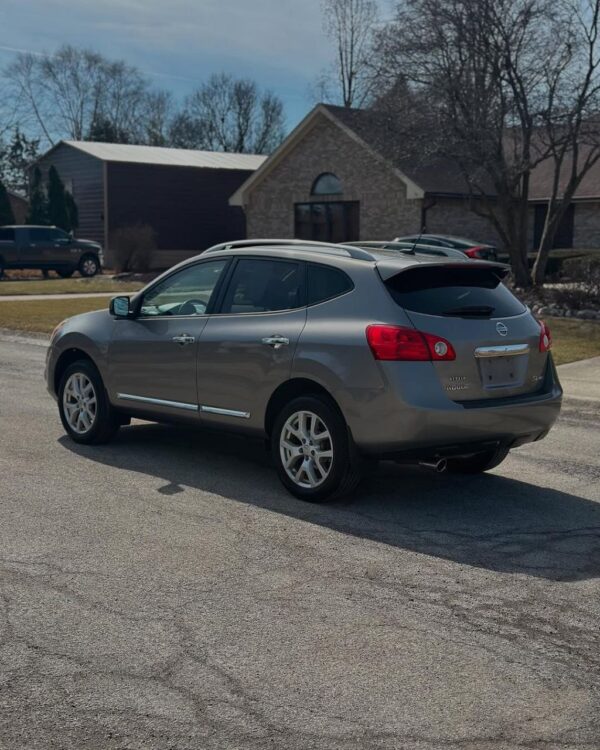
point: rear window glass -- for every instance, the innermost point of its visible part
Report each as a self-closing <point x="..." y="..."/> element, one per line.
<point x="454" y="292"/>
<point x="7" y="235"/>
<point x="325" y="283"/>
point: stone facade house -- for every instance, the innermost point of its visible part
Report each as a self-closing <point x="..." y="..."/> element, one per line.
<point x="341" y="175"/>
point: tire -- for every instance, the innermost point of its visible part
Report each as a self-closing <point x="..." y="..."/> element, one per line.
<point x="99" y="422"/>
<point x="309" y="478"/>
<point x="477" y="463"/>
<point x="65" y="274"/>
<point x="89" y="266"/>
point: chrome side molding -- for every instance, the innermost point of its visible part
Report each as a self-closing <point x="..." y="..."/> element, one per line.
<point x="224" y="412"/>
<point x="503" y="350"/>
<point x="157" y="401"/>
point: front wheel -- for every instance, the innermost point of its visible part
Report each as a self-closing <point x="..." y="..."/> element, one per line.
<point x="312" y="451"/>
<point x="89" y="266"/>
<point x="478" y="462"/>
<point x="85" y="411"/>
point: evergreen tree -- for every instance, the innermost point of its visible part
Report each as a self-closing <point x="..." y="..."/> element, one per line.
<point x="38" y="207"/>
<point x="6" y="212"/>
<point x="72" y="211"/>
<point x="58" y="213"/>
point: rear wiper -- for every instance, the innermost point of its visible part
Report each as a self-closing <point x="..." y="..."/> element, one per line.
<point x="477" y="311"/>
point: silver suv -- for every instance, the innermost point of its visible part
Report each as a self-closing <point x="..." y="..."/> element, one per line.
<point x="336" y="355"/>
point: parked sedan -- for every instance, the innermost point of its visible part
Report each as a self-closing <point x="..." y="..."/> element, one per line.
<point x="470" y="248"/>
<point x="335" y="355"/>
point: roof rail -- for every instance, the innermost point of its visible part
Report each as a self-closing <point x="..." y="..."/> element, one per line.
<point x="329" y="248"/>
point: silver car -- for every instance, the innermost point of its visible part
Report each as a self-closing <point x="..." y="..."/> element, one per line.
<point x="336" y="355"/>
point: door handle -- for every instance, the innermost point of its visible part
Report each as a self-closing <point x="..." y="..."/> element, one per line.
<point x="184" y="339"/>
<point x="276" y="341"/>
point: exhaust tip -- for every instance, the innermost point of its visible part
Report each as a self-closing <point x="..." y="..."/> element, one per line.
<point x="439" y="466"/>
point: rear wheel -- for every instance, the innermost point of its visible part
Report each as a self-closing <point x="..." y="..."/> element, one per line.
<point x="478" y="462"/>
<point x="89" y="266"/>
<point x="312" y="451"/>
<point x="85" y="411"/>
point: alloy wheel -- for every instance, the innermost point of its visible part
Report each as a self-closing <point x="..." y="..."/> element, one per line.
<point x="89" y="267"/>
<point x="306" y="449"/>
<point x="80" y="403"/>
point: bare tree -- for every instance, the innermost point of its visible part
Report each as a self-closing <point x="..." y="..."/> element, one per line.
<point x="483" y="65"/>
<point x="62" y="95"/>
<point x="571" y="122"/>
<point x="350" y="25"/>
<point x="228" y="114"/>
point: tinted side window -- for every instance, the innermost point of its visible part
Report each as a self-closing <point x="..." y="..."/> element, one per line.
<point x="455" y="292"/>
<point x="7" y="235"/>
<point x="41" y="235"/>
<point x="267" y="285"/>
<point x="325" y="283"/>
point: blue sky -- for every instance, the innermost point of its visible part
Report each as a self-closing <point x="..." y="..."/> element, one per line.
<point x="179" y="43"/>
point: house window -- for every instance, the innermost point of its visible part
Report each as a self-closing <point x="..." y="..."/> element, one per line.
<point x="327" y="222"/>
<point x="327" y="184"/>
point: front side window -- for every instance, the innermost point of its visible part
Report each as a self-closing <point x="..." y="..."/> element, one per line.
<point x="187" y="292"/>
<point x="7" y="235"/>
<point x="41" y="235"/>
<point x="264" y="285"/>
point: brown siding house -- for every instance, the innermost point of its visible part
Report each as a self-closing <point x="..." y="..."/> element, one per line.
<point x="19" y="205"/>
<point x="371" y="190"/>
<point x="182" y="194"/>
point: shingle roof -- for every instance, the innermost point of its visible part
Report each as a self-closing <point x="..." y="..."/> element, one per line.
<point x="379" y="131"/>
<point x="168" y="156"/>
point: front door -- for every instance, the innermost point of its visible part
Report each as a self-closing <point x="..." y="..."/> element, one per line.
<point x="152" y="357"/>
<point x="247" y="347"/>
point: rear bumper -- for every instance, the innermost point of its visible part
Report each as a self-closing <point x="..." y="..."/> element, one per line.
<point x="388" y="425"/>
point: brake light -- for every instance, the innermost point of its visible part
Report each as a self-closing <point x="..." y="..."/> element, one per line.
<point x="397" y="343"/>
<point x="545" y="337"/>
<point x="475" y="252"/>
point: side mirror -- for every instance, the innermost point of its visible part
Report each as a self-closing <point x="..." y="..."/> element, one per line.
<point x="120" y="307"/>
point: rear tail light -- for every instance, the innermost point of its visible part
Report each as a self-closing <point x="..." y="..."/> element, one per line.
<point x="476" y="252"/>
<point x="545" y="337"/>
<point x="397" y="343"/>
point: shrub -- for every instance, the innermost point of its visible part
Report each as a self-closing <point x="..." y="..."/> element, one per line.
<point x="585" y="272"/>
<point x="132" y="248"/>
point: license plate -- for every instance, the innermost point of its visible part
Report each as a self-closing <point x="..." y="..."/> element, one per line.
<point x="503" y="372"/>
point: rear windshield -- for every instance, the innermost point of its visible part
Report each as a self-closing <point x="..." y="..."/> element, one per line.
<point x="454" y="292"/>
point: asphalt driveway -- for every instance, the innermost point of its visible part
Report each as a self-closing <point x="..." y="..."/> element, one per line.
<point x="164" y="592"/>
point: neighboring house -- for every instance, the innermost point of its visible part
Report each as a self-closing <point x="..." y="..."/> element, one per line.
<point x="19" y="205"/>
<point x="342" y="175"/>
<point x="182" y="194"/>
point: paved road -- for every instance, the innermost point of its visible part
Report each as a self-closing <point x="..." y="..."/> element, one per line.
<point x="164" y="592"/>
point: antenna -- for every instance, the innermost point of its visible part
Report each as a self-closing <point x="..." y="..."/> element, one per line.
<point x="416" y="242"/>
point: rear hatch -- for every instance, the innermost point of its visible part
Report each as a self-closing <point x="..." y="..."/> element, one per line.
<point x="494" y="336"/>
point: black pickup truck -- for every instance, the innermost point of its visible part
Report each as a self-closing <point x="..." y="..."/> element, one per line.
<point x="49" y="249"/>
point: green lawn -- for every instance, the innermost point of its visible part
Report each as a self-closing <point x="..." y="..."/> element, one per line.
<point x="68" y="286"/>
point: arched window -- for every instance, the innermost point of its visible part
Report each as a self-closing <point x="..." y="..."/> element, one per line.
<point x="327" y="184"/>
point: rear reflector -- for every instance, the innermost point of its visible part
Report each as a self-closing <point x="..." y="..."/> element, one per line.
<point x="397" y="343"/>
<point x="545" y="337"/>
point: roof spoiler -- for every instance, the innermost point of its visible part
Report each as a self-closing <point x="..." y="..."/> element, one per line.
<point x="388" y="268"/>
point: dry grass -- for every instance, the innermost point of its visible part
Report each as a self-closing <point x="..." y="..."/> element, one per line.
<point x="574" y="339"/>
<point x="67" y="286"/>
<point x="41" y="316"/>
